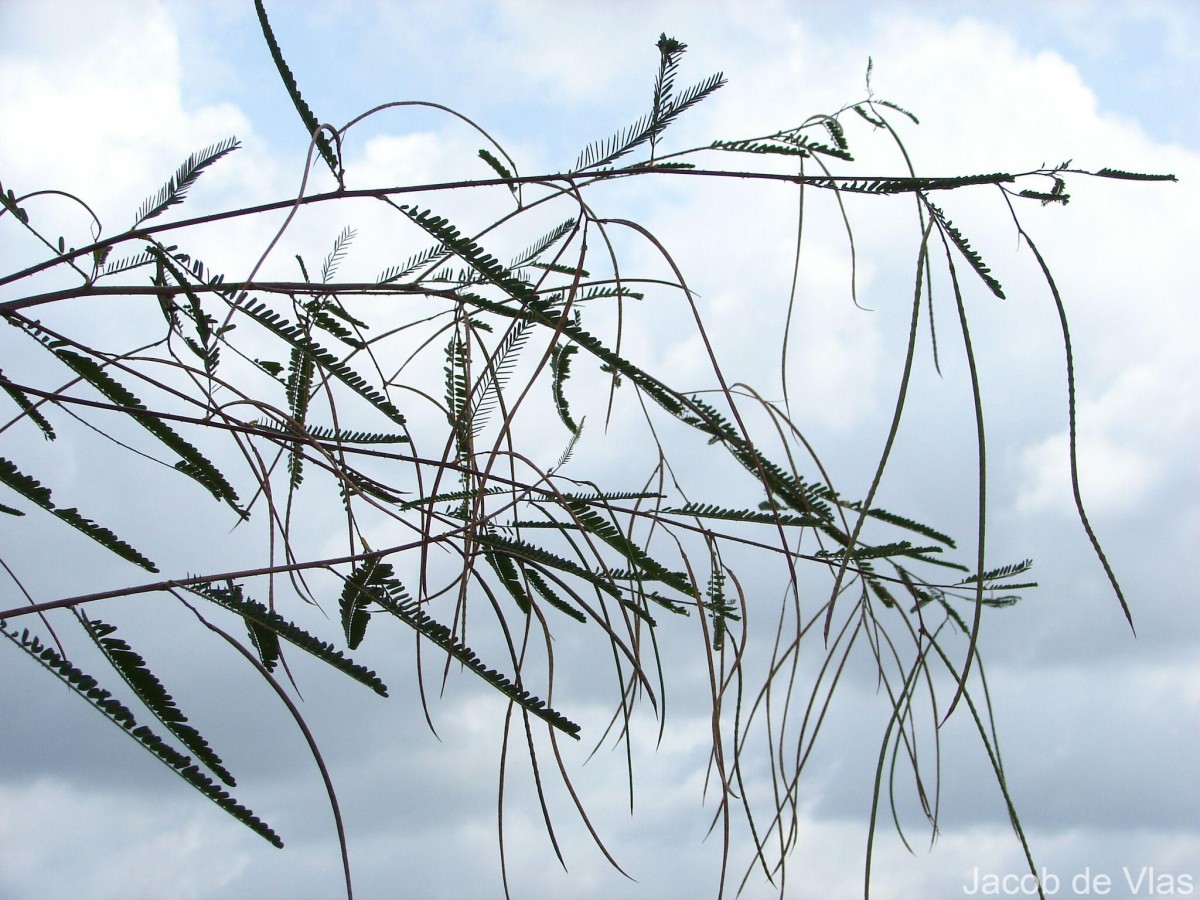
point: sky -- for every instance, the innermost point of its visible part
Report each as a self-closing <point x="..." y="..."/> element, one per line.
<point x="1097" y="726"/>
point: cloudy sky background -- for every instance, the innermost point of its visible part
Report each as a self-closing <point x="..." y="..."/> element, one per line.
<point x="1098" y="728"/>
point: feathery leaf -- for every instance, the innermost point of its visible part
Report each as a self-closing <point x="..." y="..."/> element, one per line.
<point x="354" y="602"/>
<point x="311" y="125"/>
<point x="192" y="463"/>
<point x="259" y="616"/>
<point x="560" y="368"/>
<point x="1133" y="176"/>
<point x="132" y="667"/>
<point x="708" y="511"/>
<point x="644" y="565"/>
<point x="31" y="489"/>
<point x="295" y="336"/>
<point x="175" y="190"/>
<point x="391" y="595"/>
<point x="27" y="407"/>
<point x="966" y="250"/>
<point x="500" y="169"/>
<point x="544" y="243"/>
<point x="666" y="108"/>
<point x="116" y="712"/>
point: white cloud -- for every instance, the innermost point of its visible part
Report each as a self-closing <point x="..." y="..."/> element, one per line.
<point x="1113" y="479"/>
<point x="170" y="850"/>
<point x="1122" y="469"/>
<point x="93" y="97"/>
